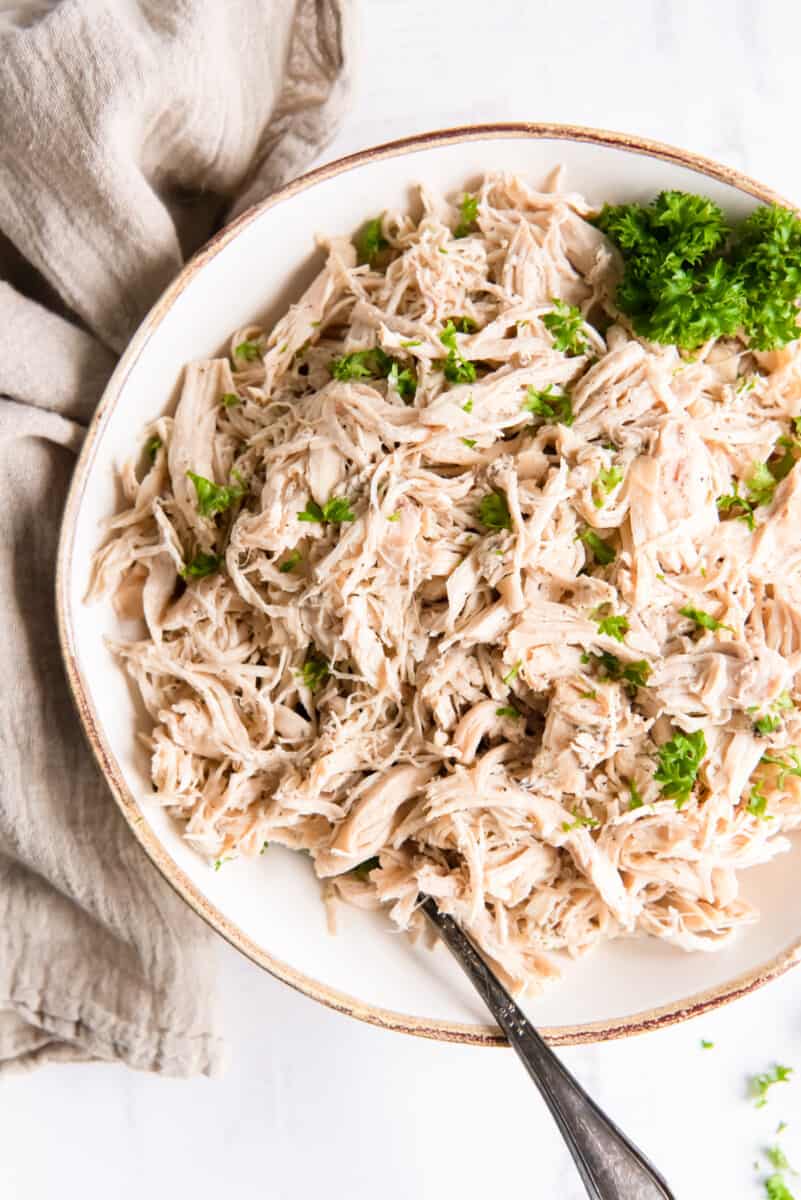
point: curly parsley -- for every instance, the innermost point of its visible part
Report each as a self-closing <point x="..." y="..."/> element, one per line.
<point x="370" y="241"/>
<point x="334" y="511"/>
<point x="200" y="566"/>
<point x="602" y="552"/>
<point x="493" y="511"/>
<point x="607" y="479"/>
<point x="770" y="720"/>
<point x="761" y="1084"/>
<point x="614" y="627"/>
<point x="552" y="407"/>
<point x="468" y="215"/>
<point x="704" y="619"/>
<point x="457" y="369"/>
<point x="314" y="671"/>
<point x="213" y="498"/>
<point x="679" y="762"/>
<point x="374" y="363"/>
<point x="686" y="279"/>
<point x="565" y="325"/>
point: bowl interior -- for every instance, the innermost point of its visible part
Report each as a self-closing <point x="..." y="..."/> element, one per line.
<point x="271" y="907"/>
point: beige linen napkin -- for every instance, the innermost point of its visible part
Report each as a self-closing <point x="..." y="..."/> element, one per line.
<point x="128" y="130"/>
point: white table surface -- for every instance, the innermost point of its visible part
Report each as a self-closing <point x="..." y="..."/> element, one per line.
<point x="316" y="1104"/>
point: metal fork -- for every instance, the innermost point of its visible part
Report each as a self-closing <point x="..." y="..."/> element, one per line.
<point x="611" y="1167"/>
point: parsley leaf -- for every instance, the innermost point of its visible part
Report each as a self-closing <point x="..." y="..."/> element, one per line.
<point x="201" y="565"/>
<point x="580" y="822"/>
<point x="507" y="679"/>
<point x="370" y="240"/>
<point x="777" y="1189"/>
<point x="314" y="671"/>
<point x="290" y="562"/>
<point x="614" y="627"/>
<point x="760" y="1084"/>
<point x="791" y="767"/>
<point x="334" y="511"/>
<point x="635" y="798"/>
<point x="507" y="710"/>
<point x="733" y="500"/>
<point x="679" y="761"/>
<point x="758" y="803"/>
<point x="602" y="552"/>
<point x="493" y="511"/>
<point x="374" y="363"/>
<point x="564" y="323"/>
<point x="457" y="368"/>
<point x="761" y="484"/>
<point x="633" y="674"/>
<point x="230" y="400"/>
<point x="248" y="351"/>
<point x="469" y="442"/>
<point x="707" y="1045"/>
<point x="468" y="211"/>
<point x="404" y="381"/>
<point x="777" y="1158"/>
<point x="214" y="498"/>
<point x="770" y="721"/>
<point x="704" y="619"/>
<point x="152" y="447"/>
<point x="607" y="479"/>
<point x="554" y="408"/>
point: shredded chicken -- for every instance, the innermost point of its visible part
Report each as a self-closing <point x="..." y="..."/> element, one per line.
<point x="428" y="698"/>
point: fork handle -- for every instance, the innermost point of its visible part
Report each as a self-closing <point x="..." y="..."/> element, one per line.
<point x="611" y="1167"/>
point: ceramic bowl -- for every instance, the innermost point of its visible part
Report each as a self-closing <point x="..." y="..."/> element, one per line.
<point x="270" y="908"/>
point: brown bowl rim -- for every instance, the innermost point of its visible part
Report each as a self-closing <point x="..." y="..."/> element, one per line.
<point x="448" y="1031"/>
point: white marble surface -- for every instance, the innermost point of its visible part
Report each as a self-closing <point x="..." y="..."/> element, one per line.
<point x="314" y="1104"/>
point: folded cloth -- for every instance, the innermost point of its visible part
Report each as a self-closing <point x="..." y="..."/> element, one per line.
<point x="129" y="129"/>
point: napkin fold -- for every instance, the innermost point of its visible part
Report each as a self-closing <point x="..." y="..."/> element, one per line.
<point x="129" y="130"/>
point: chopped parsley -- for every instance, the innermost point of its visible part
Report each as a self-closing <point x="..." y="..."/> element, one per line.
<point x="507" y="710"/>
<point x="552" y="407"/>
<point x="370" y="240"/>
<point x="248" y="351"/>
<point x="457" y="369"/>
<point x="633" y="674"/>
<point x="704" y="619"/>
<point x="791" y="767"/>
<point x="734" y="501"/>
<point x="761" y="1084"/>
<point x="607" y="479"/>
<point x="687" y="280"/>
<point x="315" y="670"/>
<point x="290" y="562"/>
<point x="201" y="565"/>
<point x="334" y="511"/>
<point x="602" y="552"/>
<point x="413" y="342"/>
<point x="463" y="324"/>
<point x="469" y="442"/>
<point x="777" y="1189"/>
<point x="468" y="215"/>
<point x="707" y="1045"/>
<point x="214" y="498"/>
<point x="564" y="323"/>
<point x="635" y="798"/>
<point x="468" y="405"/>
<point x="580" y="822"/>
<point x="770" y="720"/>
<point x="614" y="627"/>
<point x="230" y="400"/>
<point x="403" y="381"/>
<point x="394" y="516"/>
<point x="493" y="511"/>
<point x="679" y="761"/>
<point x="758" y="803"/>
<point x="777" y="1158"/>
<point x="363" y="870"/>
<point x="761" y="484"/>
<point x="374" y="363"/>
<point x="152" y="447"/>
<point x="507" y="679"/>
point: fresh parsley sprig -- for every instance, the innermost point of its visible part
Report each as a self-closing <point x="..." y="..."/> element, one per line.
<point x="679" y="762"/>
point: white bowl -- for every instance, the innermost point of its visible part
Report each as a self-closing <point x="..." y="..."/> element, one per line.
<point x="270" y="908"/>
